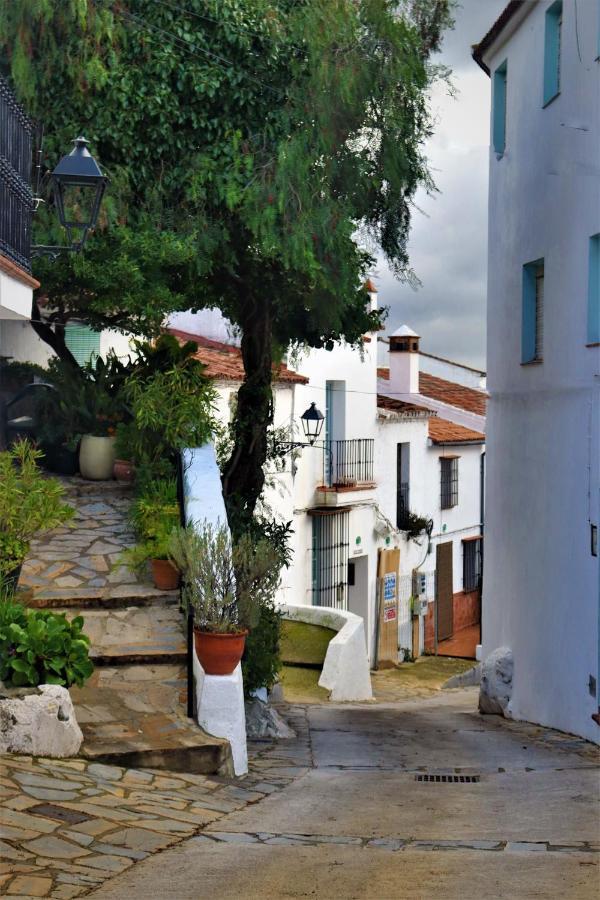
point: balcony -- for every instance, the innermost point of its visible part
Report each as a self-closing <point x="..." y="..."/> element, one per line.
<point x="348" y="464"/>
<point x="16" y="204"/>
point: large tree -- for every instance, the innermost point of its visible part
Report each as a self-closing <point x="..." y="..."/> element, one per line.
<point x="259" y="152"/>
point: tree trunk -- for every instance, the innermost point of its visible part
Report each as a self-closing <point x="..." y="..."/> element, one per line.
<point x="54" y="338"/>
<point x="243" y="476"/>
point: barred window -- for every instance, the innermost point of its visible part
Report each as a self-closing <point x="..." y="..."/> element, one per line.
<point x="449" y="481"/>
<point x="472" y="563"/>
<point x="330" y="547"/>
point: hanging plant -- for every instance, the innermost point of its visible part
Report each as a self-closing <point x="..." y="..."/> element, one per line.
<point x="414" y="525"/>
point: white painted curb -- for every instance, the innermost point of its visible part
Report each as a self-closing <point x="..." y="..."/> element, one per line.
<point x="346" y="671"/>
<point x="221" y="711"/>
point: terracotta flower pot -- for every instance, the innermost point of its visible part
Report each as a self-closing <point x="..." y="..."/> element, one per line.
<point x="164" y="574"/>
<point x="123" y="470"/>
<point x="96" y="457"/>
<point x="219" y="654"/>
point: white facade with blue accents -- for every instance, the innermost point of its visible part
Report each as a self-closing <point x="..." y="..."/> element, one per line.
<point x="541" y="577"/>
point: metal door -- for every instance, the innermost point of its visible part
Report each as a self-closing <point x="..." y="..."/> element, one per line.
<point x="443" y="590"/>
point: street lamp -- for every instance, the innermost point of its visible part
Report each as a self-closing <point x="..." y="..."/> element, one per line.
<point x="78" y="186"/>
<point x="312" y="423"/>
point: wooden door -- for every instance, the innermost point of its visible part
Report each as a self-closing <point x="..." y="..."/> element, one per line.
<point x="443" y="590"/>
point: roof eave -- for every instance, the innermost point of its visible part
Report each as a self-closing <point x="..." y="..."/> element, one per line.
<point x="506" y="17"/>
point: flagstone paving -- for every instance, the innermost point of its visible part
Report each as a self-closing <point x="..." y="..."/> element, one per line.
<point x="68" y="825"/>
<point x="81" y="558"/>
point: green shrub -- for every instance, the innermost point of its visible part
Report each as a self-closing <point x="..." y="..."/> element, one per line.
<point x="29" y="502"/>
<point x="38" y="646"/>
<point x="262" y="657"/>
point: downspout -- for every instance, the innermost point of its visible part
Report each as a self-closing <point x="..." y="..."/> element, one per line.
<point x="481" y="530"/>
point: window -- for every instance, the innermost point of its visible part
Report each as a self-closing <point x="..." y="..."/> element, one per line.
<point x="402" y="483"/>
<point x="593" y="318"/>
<point x="499" y="109"/>
<point x="330" y="547"/>
<point x="552" y="50"/>
<point x="449" y="481"/>
<point x="83" y="342"/>
<point x="532" y="330"/>
<point x="472" y="563"/>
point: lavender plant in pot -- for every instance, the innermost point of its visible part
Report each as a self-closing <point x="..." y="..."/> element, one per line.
<point x="225" y="584"/>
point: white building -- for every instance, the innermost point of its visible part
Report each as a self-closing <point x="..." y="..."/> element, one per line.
<point x="541" y="582"/>
<point x="345" y="501"/>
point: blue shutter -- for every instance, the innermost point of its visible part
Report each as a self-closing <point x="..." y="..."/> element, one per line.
<point x="593" y="323"/>
<point x="552" y="48"/>
<point x="499" y="109"/>
<point x="529" y="313"/>
<point x="83" y="342"/>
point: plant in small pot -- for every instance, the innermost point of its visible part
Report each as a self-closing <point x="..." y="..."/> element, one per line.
<point x="155" y="551"/>
<point x="225" y="585"/>
<point x="154" y="515"/>
<point x="123" y="468"/>
<point x="29" y="502"/>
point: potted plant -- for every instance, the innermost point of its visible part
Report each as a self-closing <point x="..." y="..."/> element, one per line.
<point x="225" y="585"/>
<point x="155" y="551"/>
<point x="123" y="468"/>
<point x="29" y="502"/>
<point x="153" y="515"/>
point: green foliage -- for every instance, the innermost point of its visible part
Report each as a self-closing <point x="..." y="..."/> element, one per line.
<point x="262" y="657"/>
<point x="154" y="514"/>
<point x="42" y="647"/>
<point x="226" y="584"/>
<point x="29" y="502"/>
<point x="415" y="525"/>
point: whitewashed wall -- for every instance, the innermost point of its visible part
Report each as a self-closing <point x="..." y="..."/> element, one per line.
<point x="541" y="582"/>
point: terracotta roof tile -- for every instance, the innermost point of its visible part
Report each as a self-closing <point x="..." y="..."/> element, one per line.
<point x="449" y="392"/>
<point x="224" y="361"/>
<point x="443" y="432"/>
<point x="401" y="406"/>
<point x="452" y="393"/>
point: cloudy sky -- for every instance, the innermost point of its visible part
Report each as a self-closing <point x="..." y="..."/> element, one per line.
<point x="448" y="243"/>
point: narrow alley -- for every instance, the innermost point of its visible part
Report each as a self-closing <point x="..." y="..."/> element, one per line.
<point x="518" y="819"/>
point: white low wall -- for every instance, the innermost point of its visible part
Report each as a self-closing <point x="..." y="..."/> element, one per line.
<point x="346" y="671"/>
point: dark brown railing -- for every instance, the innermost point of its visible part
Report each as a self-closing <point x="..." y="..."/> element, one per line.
<point x="346" y="463"/>
<point x="16" y="201"/>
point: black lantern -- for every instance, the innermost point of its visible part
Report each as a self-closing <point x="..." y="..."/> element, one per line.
<point x="312" y="423"/>
<point x="79" y="186"/>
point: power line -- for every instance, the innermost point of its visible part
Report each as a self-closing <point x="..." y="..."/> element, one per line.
<point x="195" y="50"/>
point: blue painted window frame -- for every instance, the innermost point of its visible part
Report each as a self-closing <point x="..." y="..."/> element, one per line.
<point x="593" y="311"/>
<point x="552" y="51"/>
<point x="499" y="108"/>
<point x="529" y="336"/>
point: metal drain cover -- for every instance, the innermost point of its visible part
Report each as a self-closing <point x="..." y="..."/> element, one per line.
<point x="439" y="778"/>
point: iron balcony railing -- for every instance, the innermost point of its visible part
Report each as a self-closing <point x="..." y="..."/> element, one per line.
<point x="347" y="463"/>
<point x="402" y="504"/>
<point x="16" y="201"/>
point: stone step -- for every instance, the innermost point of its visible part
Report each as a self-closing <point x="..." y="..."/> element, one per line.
<point x="134" y="716"/>
<point x="81" y="487"/>
<point x="109" y="597"/>
<point x="140" y="635"/>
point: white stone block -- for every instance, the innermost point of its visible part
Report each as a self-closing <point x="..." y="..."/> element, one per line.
<point x="41" y="723"/>
<point x="496" y="685"/>
<point x="221" y="712"/>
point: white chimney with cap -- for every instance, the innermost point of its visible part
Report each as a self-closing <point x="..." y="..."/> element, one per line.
<point x="404" y="361"/>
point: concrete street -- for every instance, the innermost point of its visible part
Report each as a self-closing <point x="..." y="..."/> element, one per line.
<point x="359" y="825"/>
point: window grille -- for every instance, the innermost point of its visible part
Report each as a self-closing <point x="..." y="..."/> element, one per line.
<point x="16" y="202"/>
<point x="449" y="482"/>
<point x="330" y="548"/>
<point x="472" y="564"/>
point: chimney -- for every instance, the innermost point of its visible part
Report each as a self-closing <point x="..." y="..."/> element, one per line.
<point x="404" y="361"/>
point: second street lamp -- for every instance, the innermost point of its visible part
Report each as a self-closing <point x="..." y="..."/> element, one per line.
<point x="78" y="187"/>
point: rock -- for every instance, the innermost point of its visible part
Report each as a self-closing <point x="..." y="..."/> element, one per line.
<point x="464" y="679"/>
<point x="495" y="690"/>
<point x="263" y="721"/>
<point x="40" y="723"/>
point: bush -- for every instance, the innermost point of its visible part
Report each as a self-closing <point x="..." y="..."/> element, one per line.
<point x="29" y="502"/>
<point x="262" y="658"/>
<point x="38" y="646"/>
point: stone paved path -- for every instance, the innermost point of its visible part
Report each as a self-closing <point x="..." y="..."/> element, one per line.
<point x="80" y="559"/>
<point x="361" y="824"/>
<point x="68" y="825"/>
<point x="132" y="711"/>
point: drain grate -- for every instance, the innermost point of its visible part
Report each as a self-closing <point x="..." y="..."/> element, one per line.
<point x="447" y="779"/>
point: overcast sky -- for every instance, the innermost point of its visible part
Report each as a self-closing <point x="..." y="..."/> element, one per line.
<point x="448" y="242"/>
